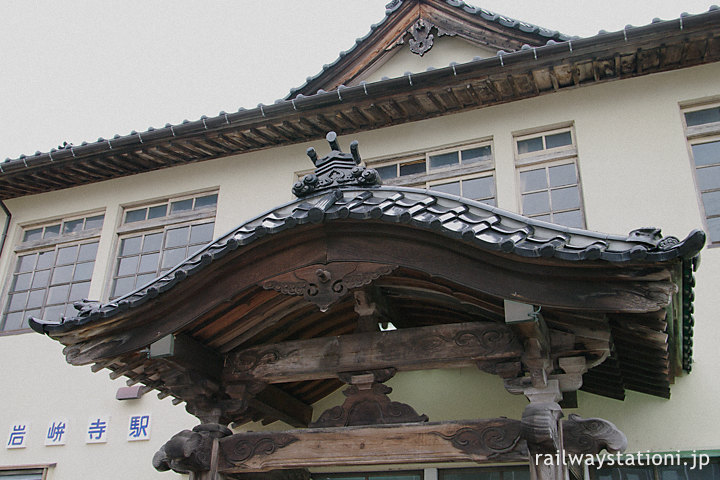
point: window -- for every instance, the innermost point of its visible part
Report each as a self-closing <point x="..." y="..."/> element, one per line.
<point x="53" y="270"/>
<point x="416" y="475"/>
<point x="674" y="466"/>
<point x="465" y="171"/>
<point x="549" y="181"/>
<point x="517" y="472"/>
<point x="34" y="472"/>
<point x="702" y="127"/>
<point x="155" y="238"/>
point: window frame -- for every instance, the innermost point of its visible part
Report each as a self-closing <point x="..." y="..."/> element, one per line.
<point x="697" y="135"/>
<point x="463" y="178"/>
<point x="435" y="174"/>
<point x="35" y="469"/>
<point x="548" y="158"/>
<point x="125" y="230"/>
<point x="54" y="243"/>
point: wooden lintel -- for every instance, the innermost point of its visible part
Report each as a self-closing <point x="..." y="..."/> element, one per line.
<point x="441" y="346"/>
<point x="476" y="440"/>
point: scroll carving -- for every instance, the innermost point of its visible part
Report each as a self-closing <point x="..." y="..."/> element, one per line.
<point x="540" y="426"/>
<point x="189" y="451"/>
<point x="243" y="449"/>
<point x="486" y="440"/>
<point x="368" y="406"/>
<point x="324" y="285"/>
<point x="591" y="435"/>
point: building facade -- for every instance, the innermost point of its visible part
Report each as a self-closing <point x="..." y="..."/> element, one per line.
<point x="604" y="134"/>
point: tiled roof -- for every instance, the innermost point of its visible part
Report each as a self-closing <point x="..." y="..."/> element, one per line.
<point x="392" y="7"/>
<point x="483" y="226"/>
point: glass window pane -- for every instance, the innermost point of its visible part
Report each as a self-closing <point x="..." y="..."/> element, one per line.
<point x="157" y="211"/>
<point x="452" y="188"/>
<point x="708" y="178"/>
<point x="706" y="153"/>
<point x="45" y="259"/>
<point x="94" y="222"/>
<point x="149" y="263"/>
<point x="533" y="203"/>
<point x="18" y="301"/>
<point x="173" y="257"/>
<point x="62" y="274"/>
<point x="531" y="180"/>
<point x="412" y="168"/>
<point x="88" y="251"/>
<point x="127" y="266"/>
<point x="34" y="234"/>
<point x="543" y="218"/>
<point x="181" y="206"/>
<point x="387" y="172"/>
<point x="714" y="229"/>
<point x="145" y="278"/>
<point x="206" y="201"/>
<point x="26" y="263"/>
<point x="476" y="154"/>
<point x="558" y="140"/>
<point x="52" y="231"/>
<point x="58" y="294"/>
<point x="563" y="175"/>
<point x="444" y="159"/>
<point x="130" y="246"/>
<point x="55" y="312"/>
<point x="123" y="286"/>
<point x="202" y="233"/>
<point x="79" y="291"/>
<point x="572" y="218"/>
<point x="478" y="188"/>
<point x="20" y="282"/>
<point x="41" y="278"/>
<point x="36" y="299"/>
<point x="565" y="198"/>
<point x="66" y="255"/>
<point x="83" y="271"/>
<point x="702" y="117"/>
<point x="135" y="215"/>
<point x="530" y="145"/>
<point x="711" y="200"/>
<point x="70" y="311"/>
<point x="73" y="226"/>
<point x="14" y="321"/>
<point x="152" y="242"/>
<point x="176" y="237"/>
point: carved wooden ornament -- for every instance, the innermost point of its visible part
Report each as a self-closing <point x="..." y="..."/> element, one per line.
<point x="324" y="285"/>
<point x="591" y="435"/>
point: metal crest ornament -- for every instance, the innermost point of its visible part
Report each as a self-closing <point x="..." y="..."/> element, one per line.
<point x="337" y="169"/>
<point x="422" y="40"/>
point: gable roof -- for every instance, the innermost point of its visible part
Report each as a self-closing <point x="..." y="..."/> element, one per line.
<point x="437" y="18"/>
<point x="510" y="76"/>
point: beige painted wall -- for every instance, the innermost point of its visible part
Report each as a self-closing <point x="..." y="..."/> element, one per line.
<point x="635" y="172"/>
<point x="445" y="50"/>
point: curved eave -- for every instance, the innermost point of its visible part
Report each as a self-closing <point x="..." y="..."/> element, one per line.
<point x="460" y="220"/>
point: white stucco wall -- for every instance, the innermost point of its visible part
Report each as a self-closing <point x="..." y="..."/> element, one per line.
<point x="635" y="170"/>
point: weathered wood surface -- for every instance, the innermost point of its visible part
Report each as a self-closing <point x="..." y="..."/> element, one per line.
<point x="442" y="346"/>
<point x="476" y="440"/>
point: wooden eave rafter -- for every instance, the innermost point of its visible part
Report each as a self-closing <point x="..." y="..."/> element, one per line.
<point x="511" y="77"/>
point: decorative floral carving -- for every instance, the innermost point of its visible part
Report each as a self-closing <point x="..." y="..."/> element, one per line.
<point x="422" y="39"/>
<point x="486" y="440"/>
<point x="368" y="407"/>
<point x="591" y="435"/>
<point x="324" y="285"/>
<point x="246" y="448"/>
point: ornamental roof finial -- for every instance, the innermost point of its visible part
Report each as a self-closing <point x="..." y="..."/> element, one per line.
<point x="337" y="169"/>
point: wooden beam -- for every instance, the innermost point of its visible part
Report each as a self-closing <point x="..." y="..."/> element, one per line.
<point x="276" y="403"/>
<point x="476" y="440"/>
<point x="441" y="346"/>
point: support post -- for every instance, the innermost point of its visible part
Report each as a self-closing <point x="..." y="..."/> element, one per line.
<point x="542" y="429"/>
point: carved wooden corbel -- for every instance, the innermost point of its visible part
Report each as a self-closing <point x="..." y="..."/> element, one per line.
<point x="191" y="451"/>
<point x="591" y="435"/>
